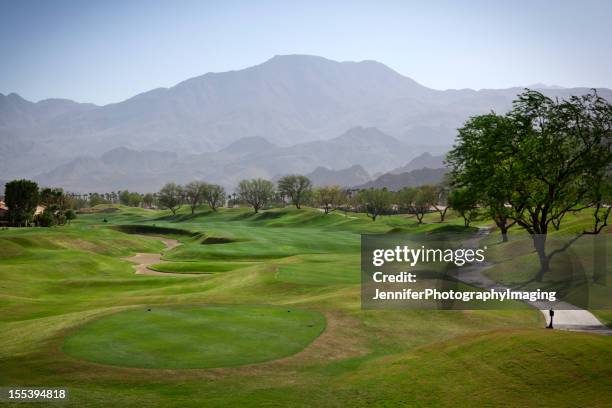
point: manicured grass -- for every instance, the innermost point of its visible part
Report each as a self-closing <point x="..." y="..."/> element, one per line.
<point x="321" y="269"/>
<point x="60" y="283"/>
<point x="195" y="336"/>
<point x="572" y="271"/>
<point x="200" y="266"/>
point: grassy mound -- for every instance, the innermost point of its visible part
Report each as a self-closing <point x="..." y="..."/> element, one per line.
<point x="195" y="336"/>
<point x="52" y="279"/>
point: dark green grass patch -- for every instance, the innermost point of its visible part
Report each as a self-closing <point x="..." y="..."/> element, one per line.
<point x="216" y="240"/>
<point x="199" y="267"/>
<point x="195" y="336"/>
<point x="152" y="229"/>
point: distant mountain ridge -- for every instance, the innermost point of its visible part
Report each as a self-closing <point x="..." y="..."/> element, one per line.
<point x="424" y="160"/>
<point x="414" y="178"/>
<point x="354" y="175"/>
<point x="328" y="162"/>
<point x="298" y="104"/>
<point x="249" y="145"/>
<point x="18" y="112"/>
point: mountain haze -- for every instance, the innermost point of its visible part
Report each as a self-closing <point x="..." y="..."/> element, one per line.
<point x="351" y="176"/>
<point x="290" y="114"/>
<point x="414" y="178"/>
<point x="424" y="160"/>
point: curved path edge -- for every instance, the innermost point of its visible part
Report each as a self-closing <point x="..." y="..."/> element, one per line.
<point x="567" y="316"/>
<point x="143" y="260"/>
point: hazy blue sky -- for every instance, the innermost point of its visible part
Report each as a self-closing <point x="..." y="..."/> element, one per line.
<point x="106" y="51"/>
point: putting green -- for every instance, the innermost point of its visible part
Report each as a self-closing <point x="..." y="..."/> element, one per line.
<point x="195" y="336"/>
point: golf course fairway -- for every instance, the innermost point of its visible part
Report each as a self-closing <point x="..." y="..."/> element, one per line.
<point x="195" y="336"/>
<point x="73" y="314"/>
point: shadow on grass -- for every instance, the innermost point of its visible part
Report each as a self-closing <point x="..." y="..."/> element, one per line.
<point x="183" y="217"/>
<point x="217" y="240"/>
<point x="261" y="216"/>
<point x="153" y="229"/>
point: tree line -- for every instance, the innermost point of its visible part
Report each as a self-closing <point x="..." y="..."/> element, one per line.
<point x="297" y="190"/>
<point x="531" y="167"/>
<point x="24" y="197"/>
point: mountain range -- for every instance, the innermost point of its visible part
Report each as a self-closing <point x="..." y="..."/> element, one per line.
<point x="413" y="178"/>
<point x="425" y="160"/>
<point x="290" y="114"/>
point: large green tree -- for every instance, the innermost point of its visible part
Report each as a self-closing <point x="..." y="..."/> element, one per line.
<point x="214" y="195"/>
<point x="375" y="201"/>
<point x="21" y="197"/>
<point x="56" y="204"/>
<point x="417" y="200"/>
<point x="194" y="194"/>
<point x="135" y="199"/>
<point x="256" y="192"/>
<point x="148" y="200"/>
<point x="483" y="161"/>
<point x="330" y="198"/>
<point x="297" y="188"/>
<point x="546" y="158"/>
<point x="463" y="201"/>
<point x="124" y="197"/>
<point x="171" y="197"/>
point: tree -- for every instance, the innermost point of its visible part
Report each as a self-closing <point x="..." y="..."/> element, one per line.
<point x="483" y="162"/>
<point x="70" y="215"/>
<point x="171" y="197"/>
<point x="600" y="196"/>
<point x="330" y="198"/>
<point x="96" y="199"/>
<point x="147" y="200"/>
<point x="572" y="141"/>
<point x="134" y="200"/>
<point x="124" y="197"/>
<point x="214" y="195"/>
<point x="21" y="198"/>
<point x="417" y="200"/>
<point x="194" y="194"/>
<point x="256" y="192"/>
<point x="553" y="158"/>
<point x="45" y="219"/>
<point x="375" y="201"/>
<point x="297" y="188"/>
<point x="56" y="203"/>
<point x="440" y="201"/>
<point x="464" y="202"/>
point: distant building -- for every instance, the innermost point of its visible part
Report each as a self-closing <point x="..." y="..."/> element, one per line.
<point x="3" y="212"/>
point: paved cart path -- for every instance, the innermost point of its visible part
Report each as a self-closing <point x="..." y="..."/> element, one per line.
<point x="567" y="316"/>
